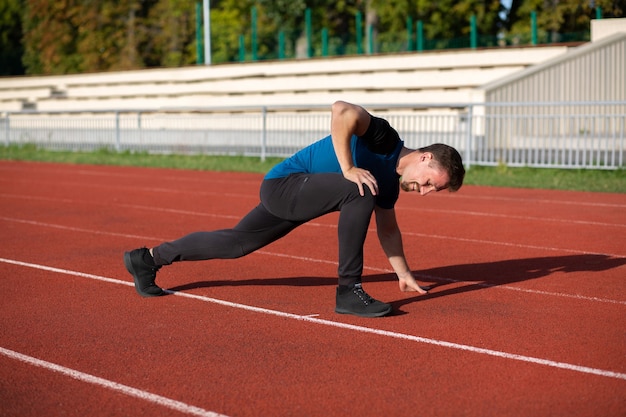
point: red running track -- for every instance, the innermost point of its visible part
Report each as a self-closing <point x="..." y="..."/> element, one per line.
<point x="526" y="316"/>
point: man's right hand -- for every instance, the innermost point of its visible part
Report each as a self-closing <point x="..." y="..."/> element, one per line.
<point x="360" y="177"/>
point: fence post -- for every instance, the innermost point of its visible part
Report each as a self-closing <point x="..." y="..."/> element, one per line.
<point x="468" y="137"/>
<point x="474" y="32"/>
<point x="308" y="20"/>
<point x="409" y="33"/>
<point x="117" y="131"/>
<point x="254" y="34"/>
<point x="139" y="127"/>
<point x="263" y="133"/>
<point x="420" y="35"/>
<point x="199" y="44"/>
<point x="7" y="130"/>
<point x="533" y="26"/>
<point x="281" y="44"/>
<point x="324" y="42"/>
<point x="242" y="48"/>
<point x="359" y="33"/>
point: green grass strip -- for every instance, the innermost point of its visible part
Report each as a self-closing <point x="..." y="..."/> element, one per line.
<point x="595" y="180"/>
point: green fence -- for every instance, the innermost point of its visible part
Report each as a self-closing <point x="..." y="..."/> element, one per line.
<point x="365" y="41"/>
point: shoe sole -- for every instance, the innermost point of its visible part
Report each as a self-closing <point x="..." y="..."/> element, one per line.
<point x="369" y="315"/>
<point x="129" y="267"/>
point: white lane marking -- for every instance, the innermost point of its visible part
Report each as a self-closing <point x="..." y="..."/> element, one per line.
<point x="512" y="216"/>
<point x="256" y="182"/>
<point x="527" y="200"/>
<point x="115" y="386"/>
<point x="368" y="268"/>
<point x="409" y="208"/>
<point x="362" y="329"/>
<point x="514" y="245"/>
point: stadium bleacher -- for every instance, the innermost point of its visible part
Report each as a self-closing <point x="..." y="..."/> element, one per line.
<point x="407" y="78"/>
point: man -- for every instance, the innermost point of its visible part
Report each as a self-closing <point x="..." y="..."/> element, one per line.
<point x="357" y="170"/>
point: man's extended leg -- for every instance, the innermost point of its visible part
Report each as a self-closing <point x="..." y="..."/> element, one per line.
<point x="257" y="229"/>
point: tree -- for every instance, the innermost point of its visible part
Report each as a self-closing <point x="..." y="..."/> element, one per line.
<point x="229" y="20"/>
<point x="106" y="35"/>
<point x="70" y="36"/>
<point x="558" y="17"/>
<point x="443" y="20"/>
<point x="50" y="37"/>
<point x="168" y="34"/>
<point x="11" y="48"/>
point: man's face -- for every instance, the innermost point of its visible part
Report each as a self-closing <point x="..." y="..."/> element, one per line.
<point x="424" y="176"/>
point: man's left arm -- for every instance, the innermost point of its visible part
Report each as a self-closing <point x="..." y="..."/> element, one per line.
<point x="391" y="241"/>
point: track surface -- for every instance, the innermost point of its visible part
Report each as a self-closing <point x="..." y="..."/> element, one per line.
<point x="526" y="317"/>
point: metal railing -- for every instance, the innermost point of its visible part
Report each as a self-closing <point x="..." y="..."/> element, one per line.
<point x="557" y="135"/>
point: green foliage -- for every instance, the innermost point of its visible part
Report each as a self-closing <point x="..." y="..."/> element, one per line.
<point x="555" y="18"/>
<point x="11" y="48"/>
<point x="74" y="36"/>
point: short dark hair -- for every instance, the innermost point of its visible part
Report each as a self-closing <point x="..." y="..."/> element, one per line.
<point x="449" y="159"/>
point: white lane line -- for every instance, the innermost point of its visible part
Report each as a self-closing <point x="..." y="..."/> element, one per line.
<point x="511" y="216"/>
<point x="526" y="200"/>
<point x="368" y="268"/>
<point x="362" y="329"/>
<point x="309" y="224"/>
<point x="407" y="208"/>
<point x="255" y="183"/>
<point x="115" y="386"/>
<point x="514" y="245"/>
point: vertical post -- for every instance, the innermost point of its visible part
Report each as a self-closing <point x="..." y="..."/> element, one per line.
<point x="199" y="43"/>
<point x="325" y="42"/>
<point x="139" y="127"/>
<point x="359" y="34"/>
<point x="117" y="131"/>
<point x="474" y="32"/>
<point x="281" y="44"/>
<point x="263" y="134"/>
<point x="254" y="34"/>
<point x="409" y="33"/>
<point x="420" y="35"/>
<point x="533" y="27"/>
<point x="207" y="32"/>
<point x="309" y="33"/>
<point x="242" y="48"/>
<point x="370" y="38"/>
<point x="7" y="130"/>
<point x="468" y="137"/>
<point x="598" y="12"/>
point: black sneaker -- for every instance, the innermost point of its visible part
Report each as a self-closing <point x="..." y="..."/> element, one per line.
<point x="143" y="272"/>
<point x="356" y="301"/>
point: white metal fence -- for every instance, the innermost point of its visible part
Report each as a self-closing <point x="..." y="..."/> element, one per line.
<point x="563" y="135"/>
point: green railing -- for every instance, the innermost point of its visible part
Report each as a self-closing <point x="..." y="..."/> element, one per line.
<point x="320" y="44"/>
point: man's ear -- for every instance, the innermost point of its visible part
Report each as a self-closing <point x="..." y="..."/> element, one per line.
<point x="426" y="156"/>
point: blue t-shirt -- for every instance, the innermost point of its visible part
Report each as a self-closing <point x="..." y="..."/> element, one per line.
<point x="320" y="157"/>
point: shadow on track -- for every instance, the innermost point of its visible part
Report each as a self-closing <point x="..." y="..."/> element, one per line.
<point x="492" y="274"/>
<point x="477" y="276"/>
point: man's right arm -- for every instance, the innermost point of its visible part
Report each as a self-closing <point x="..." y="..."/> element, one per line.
<point x="347" y="120"/>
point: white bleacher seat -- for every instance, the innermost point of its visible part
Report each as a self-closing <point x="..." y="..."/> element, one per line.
<point x="428" y="77"/>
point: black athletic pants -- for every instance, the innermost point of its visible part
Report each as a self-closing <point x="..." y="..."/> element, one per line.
<point x="286" y="203"/>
